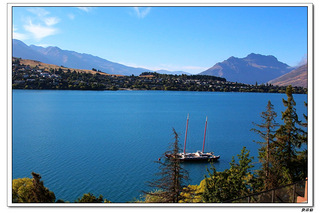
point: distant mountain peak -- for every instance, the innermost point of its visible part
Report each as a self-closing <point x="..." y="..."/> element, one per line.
<point x="254" y="55"/>
<point x="231" y="58"/>
<point x="250" y="69"/>
<point x="17" y="41"/>
<point x="53" y="48"/>
<point x="261" y="58"/>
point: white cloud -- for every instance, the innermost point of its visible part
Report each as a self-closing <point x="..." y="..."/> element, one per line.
<point x="19" y="36"/>
<point x="142" y="12"/>
<point x="86" y="9"/>
<point x="38" y="26"/>
<point x="44" y="45"/>
<point x="38" y="31"/>
<point x="51" y="21"/>
<point x="38" y="11"/>
<point x="303" y="60"/>
<point x="71" y="16"/>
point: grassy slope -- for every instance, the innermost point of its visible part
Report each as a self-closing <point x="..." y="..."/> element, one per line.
<point x="46" y="67"/>
<point x="297" y="77"/>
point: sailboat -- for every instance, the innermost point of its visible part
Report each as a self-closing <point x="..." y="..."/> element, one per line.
<point x="195" y="156"/>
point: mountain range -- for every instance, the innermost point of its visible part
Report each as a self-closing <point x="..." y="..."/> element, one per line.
<point x="72" y="59"/>
<point x="252" y="69"/>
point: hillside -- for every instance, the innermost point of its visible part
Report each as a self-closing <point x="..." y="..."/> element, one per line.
<point x="297" y="77"/>
<point x="67" y="58"/>
<point x="47" y="67"/>
<point x="57" y="56"/>
<point x="31" y="74"/>
<point x="254" y="68"/>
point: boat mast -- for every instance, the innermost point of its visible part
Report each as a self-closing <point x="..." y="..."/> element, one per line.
<point x="205" y="131"/>
<point x="185" y="137"/>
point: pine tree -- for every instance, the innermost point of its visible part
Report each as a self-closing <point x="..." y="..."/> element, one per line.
<point x="172" y="177"/>
<point x="40" y="193"/>
<point x="288" y="140"/>
<point x="266" y="132"/>
<point x="305" y="125"/>
<point x="303" y="155"/>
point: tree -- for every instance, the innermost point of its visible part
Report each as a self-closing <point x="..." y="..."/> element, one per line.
<point x="231" y="183"/>
<point x="288" y="140"/>
<point x="305" y="125"/>
<point x="266" y="132"/>
<point x="41" y="194"/>
<point x="193" y="193"/>
<point x="303" y="155"/>
<point x="27" y="190"/>
<point x="22" y="190"/>
<point x="90" y="198"/>
<point x="172" y="177"/>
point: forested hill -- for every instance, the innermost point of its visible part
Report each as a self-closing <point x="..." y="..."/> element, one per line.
<point x="30" y="74"/>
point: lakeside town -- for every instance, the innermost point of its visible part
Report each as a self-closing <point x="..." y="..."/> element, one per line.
<point x="42" y="76"/>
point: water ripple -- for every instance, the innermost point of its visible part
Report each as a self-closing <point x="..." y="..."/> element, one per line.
<point x="106" y="142"/>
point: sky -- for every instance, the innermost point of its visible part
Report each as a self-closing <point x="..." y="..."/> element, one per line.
<point x="190" y="39"/>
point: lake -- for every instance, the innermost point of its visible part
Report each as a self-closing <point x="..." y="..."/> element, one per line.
<point x="106" y="142"/>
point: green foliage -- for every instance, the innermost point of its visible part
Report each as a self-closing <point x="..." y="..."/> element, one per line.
<point x="288" y="141"/>
<point x="172" y="177"/>
<point x="41" y="194"/>
<point x="231" y="183"/>
<point x="154" y="196"/>
<point x="266" y="152"/>
<point x="192" y="193"/>
<point x="22" y="190"/>
<point x="90" y="198"/>
<point x="26" y="190"/>
<point x="283" y="161"/>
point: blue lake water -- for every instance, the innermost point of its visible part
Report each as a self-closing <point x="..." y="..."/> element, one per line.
<point x="106" y="142"/>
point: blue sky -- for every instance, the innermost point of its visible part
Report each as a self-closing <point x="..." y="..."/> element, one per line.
<point x="191" y="39"/>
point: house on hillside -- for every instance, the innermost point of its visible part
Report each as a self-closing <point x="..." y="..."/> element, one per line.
<point x="45" y="75"/>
